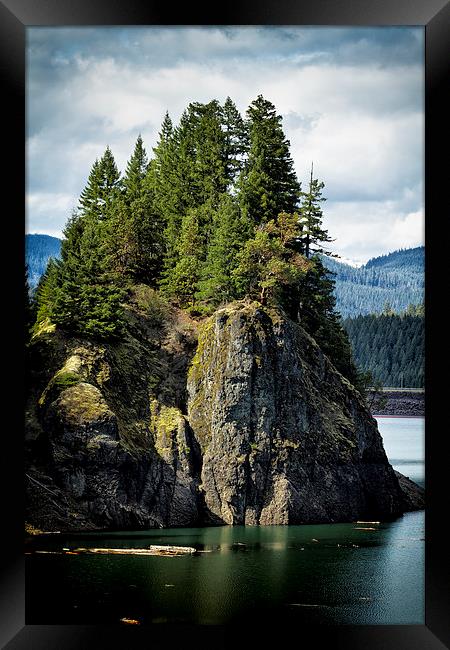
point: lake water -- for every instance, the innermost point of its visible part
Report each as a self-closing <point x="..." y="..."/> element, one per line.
<point x="404" y="443"/>
<point x="324" y="574"/>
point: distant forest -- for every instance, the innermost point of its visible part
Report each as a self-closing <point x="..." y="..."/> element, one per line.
<point x="38" y="250"/>
<point x="396" y="280"/>
<point x="390" y="346"/>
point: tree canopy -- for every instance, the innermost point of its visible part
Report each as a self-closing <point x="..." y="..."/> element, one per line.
<point x="216" y="214"/>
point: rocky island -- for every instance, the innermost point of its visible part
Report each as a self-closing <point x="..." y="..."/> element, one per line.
<point x="185" y="362"/>
<point x="240" y="420"/>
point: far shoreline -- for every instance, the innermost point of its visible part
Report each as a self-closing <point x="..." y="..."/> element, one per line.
<point x="397" y="416"/>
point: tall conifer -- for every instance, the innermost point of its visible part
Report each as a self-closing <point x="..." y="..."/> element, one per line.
<point x="268" y="185"/>
<point x="313" y="234"/>
<point x="230" y="231"/>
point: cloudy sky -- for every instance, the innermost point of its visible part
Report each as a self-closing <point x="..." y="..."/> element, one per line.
<point x="352" y="101"/>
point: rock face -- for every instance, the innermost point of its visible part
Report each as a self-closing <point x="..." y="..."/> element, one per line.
<point x="108" y="446"/>
<point x="284" y="437"/>
<point x="256" y="428"/>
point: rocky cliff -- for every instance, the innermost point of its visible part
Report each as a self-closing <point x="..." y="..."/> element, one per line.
<point x="240" y="420"/>
<point x="284" y="437"/>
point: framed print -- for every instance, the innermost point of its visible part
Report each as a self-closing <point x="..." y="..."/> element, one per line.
<point x="227" y="298"/>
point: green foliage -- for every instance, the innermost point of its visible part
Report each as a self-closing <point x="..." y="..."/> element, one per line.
<point x="236" y="141"/>
<point x="82" y="294"/>
<point x="312" y="303"/>
<point x="390" y="346"/>
<point x="268" y="184"/>
<point x="312" y="233"/>
<point x="214" y="216"/>
<point x="88" y="298"/>
<point x="230" y="230"/>
<point x="45" y="293"/>
<point x="266" y="266"/>
<point x="151" y="303"/>
<point x="102" y="187"/>
<point x="135" y="173"/>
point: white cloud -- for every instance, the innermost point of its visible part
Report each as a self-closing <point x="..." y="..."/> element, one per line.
<point x="349" y="106"/>
<point x="367" y="229"/>
<point x="46" y="209"/>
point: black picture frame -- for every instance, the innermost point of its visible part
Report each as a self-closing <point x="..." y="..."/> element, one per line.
<point x="15" y="16"/>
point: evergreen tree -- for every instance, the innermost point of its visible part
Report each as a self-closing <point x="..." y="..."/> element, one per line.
<point x="267" y="268"/>
<point x="236" y="141"/>
<point x="180" y="282"/>
<point x="268" y="185"/>
<point x="230" y="231"/>
<point x="313" y="234"/>
<point x="136" y="172"/>
<point x="45" y="294"/>
<point x="210" y="152"/>
<point x="166" y="182"/>
<point x="135" y="230"/>
<point x="102" y="187"/>
<point x="88" y="297"/>
<point x="312" y="303"/>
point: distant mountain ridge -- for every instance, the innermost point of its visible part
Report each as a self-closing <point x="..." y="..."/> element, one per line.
<point x="396" y="279"/>
<point x="38" y="250"/>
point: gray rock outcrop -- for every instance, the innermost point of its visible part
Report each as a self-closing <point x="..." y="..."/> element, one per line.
<point x="284" y="437"/>
<point x="256" y="428"/>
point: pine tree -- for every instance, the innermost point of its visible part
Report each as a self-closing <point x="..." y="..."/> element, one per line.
<point x="88" y="297"/>
<point x="135" y="230"/>
<point x="268" y="185"/>
<point x="210" y="152"/>
<point x="315" y="302"/>
<point x="236" y="141"/>
<point x="180" y="282"/>
<point x="136" y="172"/>
<point x="267" y="267"/>
<point x="102" y="187"/>
<point x="313" y="234"/>
<point x="230" y="231"/>
<point x="45" y="294"/>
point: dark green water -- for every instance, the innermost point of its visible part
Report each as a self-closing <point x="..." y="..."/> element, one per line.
<point x="347" y="576"/>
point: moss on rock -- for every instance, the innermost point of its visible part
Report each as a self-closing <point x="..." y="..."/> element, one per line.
<point x="81" y="404"/>
<point x="167" y="424"/>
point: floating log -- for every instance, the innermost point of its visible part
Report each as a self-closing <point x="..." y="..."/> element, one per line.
<point x="129" y="621"/>
<point x="151" y="550"/>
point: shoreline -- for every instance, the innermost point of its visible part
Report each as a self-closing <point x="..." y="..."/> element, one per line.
<point x="375" y="415"/>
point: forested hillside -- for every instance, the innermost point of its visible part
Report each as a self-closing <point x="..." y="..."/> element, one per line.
<point x="391" y="346"/>
<point x="38" y="250"/>
<point x="396" y="279"/>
